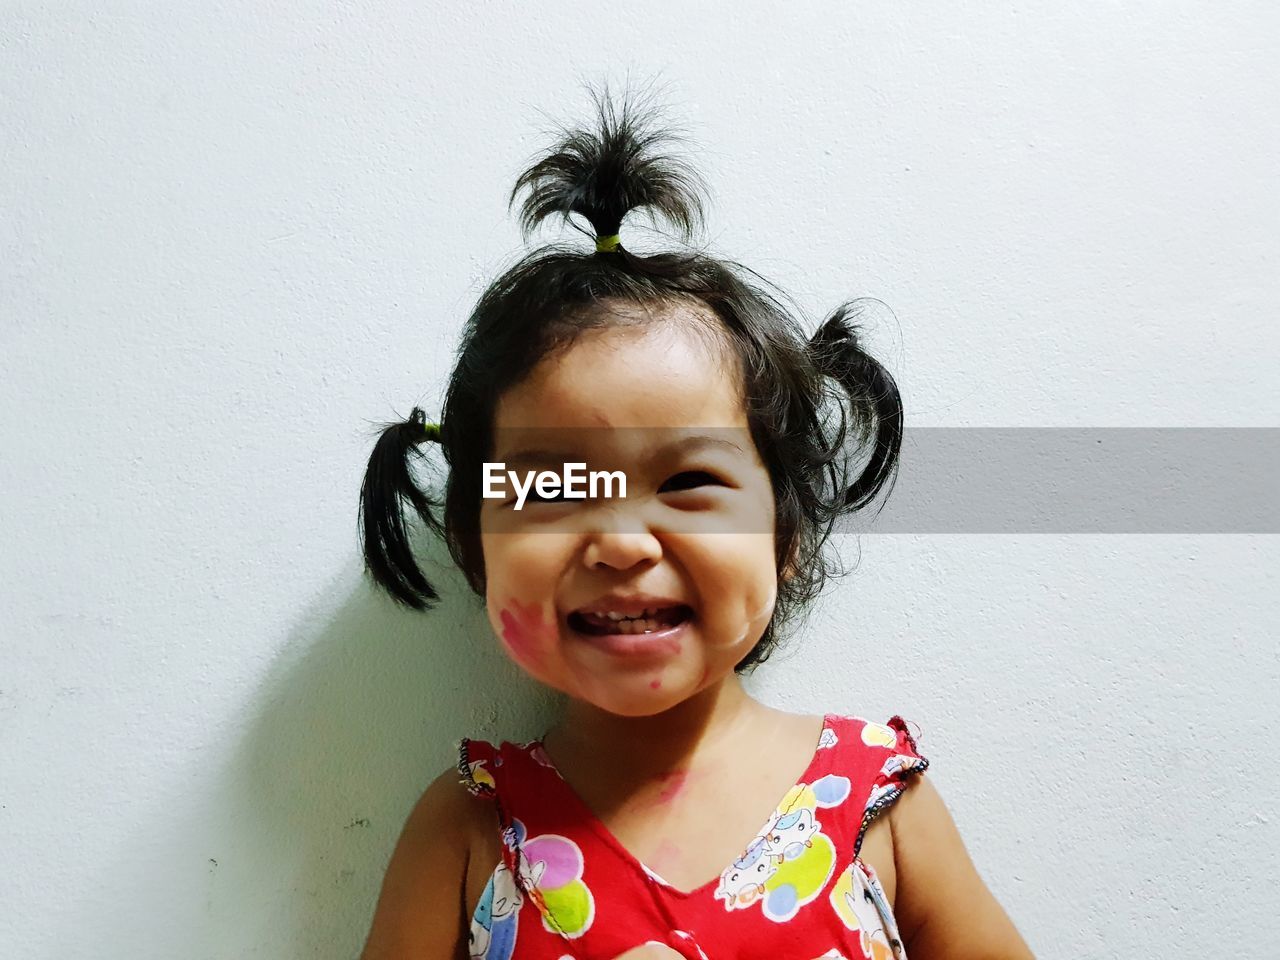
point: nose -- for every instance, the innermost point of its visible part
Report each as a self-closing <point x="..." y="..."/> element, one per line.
<point x="621" y="545"/>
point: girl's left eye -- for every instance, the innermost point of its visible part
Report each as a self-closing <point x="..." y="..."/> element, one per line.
<point x="689" y="479"/>
<point x="534" y="497"/>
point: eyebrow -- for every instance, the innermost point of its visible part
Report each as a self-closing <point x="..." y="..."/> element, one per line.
<point x="546" y="457"/>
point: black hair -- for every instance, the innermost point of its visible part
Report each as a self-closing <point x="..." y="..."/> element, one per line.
<point x="815" y="405"/>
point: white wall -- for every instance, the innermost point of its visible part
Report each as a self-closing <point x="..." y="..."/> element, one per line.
<point x="235" y="236"/>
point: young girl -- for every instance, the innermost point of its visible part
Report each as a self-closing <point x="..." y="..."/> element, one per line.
<point x="667" y="813"/>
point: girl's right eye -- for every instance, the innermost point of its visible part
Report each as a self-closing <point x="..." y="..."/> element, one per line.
<point x="689" y="479"/>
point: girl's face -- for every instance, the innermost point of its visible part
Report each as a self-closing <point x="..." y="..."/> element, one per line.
<point x="689" y="551"/>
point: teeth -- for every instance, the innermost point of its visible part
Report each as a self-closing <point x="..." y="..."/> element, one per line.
<point x="647" y="620"/>
<point x="646" y="614"/>
<point x="638" y="626"/>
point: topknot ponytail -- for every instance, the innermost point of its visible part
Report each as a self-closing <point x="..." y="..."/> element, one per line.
<point x="603" y="173"/>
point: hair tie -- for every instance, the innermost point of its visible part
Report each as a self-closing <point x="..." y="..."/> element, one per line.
<point x="608" y="244"/>
<point x="430" y="431"/>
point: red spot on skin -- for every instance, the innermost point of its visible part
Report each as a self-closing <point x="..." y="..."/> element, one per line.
<point x="524" y="632"/>
<point x="668" y="854"/>
<point x="655" y="684"/>
<point x="673" y="783"/>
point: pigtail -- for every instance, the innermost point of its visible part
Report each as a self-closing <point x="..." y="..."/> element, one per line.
<point x="388" y="483"/>
<point x="870" y="408"/>
<point x="603" y="173"/>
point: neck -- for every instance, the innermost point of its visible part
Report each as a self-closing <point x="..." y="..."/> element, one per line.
<point x="700" y="727"/>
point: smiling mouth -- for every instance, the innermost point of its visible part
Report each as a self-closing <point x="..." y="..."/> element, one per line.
<point x="650" y="621"/>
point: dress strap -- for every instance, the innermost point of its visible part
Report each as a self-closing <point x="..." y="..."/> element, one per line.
<point x="480" y="768"/>
<point x="893" y="749"/>
<point x="543" y="849"/>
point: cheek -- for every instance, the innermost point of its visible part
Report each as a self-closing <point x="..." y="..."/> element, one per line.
<point x="761" y="603"/>
<point x="528" y="566"/>
<point x="525" y="632"/>
<point x="741" y="566"/>
<point x="767" y="593"/>
<point x="757" y="587"/>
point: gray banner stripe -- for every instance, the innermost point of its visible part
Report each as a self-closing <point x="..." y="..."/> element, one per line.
<point x="1006" y="479"/>
<point x="1082" y="480"/>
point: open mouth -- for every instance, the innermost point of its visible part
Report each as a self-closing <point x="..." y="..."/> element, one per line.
<point x="651" y="620"/>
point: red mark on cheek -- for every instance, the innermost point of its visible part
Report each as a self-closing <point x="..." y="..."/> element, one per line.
<point x="524" y="632"/>
<point x="655" y="684"/>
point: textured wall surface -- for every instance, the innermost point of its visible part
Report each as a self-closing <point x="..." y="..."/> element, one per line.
<point x="234" y="237"/>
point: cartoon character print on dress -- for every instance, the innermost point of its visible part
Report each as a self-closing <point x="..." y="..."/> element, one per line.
<point x="878" y="735"/>
<point x="881" y="900"/>
<point x="861" y="905"/>
<point x="497" y="917"/>
<point x="791" y="834"/>
<point x="479" y="776"/>
<point x="797" y="869"/>
<point x="742" y="882"/>
<point x="790" y="861"/>
<point x="551" y="868"/>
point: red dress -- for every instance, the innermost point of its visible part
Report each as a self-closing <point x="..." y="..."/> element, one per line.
<point x="568" y="890"/>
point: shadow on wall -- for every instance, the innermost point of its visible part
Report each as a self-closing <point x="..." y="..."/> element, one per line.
<point x="280" y="851"/>
<point x="348" y="733"/>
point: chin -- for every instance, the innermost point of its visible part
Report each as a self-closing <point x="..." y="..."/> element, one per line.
<point x="636" y="707"/>
<point x="638" y="701"/>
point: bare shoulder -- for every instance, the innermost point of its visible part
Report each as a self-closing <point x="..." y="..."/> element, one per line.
<point x="943" y="907"/>
<point x="421" y="911"/>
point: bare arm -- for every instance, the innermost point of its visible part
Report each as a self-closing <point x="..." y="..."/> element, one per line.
<point x="421" y="912"/>
<point x="943" y="908"/>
